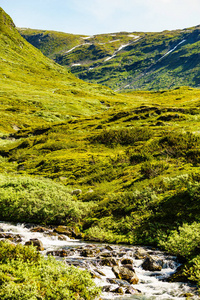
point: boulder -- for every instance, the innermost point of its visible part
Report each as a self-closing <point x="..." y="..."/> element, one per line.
<point x="125" y="274"/>
<point x="35" y="242"/>
<point x="118" y="290"/>
<point x="60" y="253"/>
<point x="140" y="253"/>
<point x="89" y="252"/>
<point x="126" y="261"/>
<point x="120" y="282"/>
<point x="131" y="291"/>
<point x="71" y="232"/>
<point x="15" y="238"/>
<point x="109" y="248"/>
<point x="108" y="261"/>
<point x="151" y="264"/>
<point x="105" y="254"/>
<point x="39" y="229"/>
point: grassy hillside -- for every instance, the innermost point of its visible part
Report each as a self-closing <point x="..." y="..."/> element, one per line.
<point x="35" y="90"/>
<point x="126" y="61"/>
<point x="134" y="156"/>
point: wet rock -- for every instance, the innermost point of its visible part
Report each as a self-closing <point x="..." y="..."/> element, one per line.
<point x="105" y="254"/>
<point x="99" y="272"/>
<point x="109" y="261"/>
<point x="89" y="252"/>
<point x="126" y="261"/>
<point x="60" y="253"/>
<point x="109" y="248"/>
<point x="107" y="288"/>
<point x="120" y="282"/>
<point x="178" y="276"/>
<point x="71" y="232"/>
<point x="131" y="291"/>
<point x="140" y="253"/>
<point x="15" y="238"/>
<point x="121" y="254"/>
<point x="94" y="274"/>
<point x="77" y="263"/>
<point x="35" y="242"/>
<point x="118" y="290"/>
<point x="150" y="264"/>
<point x="126" y="274"/>
<point x="39" y="229"/>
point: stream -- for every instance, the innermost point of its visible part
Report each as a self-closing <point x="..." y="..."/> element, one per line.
<point x="103" y="261"/>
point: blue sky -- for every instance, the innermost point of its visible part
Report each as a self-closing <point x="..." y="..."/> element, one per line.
<point x="103" y="16"/>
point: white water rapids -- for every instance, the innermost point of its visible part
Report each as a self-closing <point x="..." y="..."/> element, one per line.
<point x="151" y="284"/>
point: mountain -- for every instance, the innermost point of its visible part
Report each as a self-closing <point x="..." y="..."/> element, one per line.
<point x="126" y="61"/>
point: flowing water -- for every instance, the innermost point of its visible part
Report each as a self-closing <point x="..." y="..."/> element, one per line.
<point x="152" y="284"/>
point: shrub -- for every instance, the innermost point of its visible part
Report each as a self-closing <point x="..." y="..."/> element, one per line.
<point x="185" y="241"/>
<point x="25" y="199"/>
<point x="125" y="136"/>
<point x="152" y="169"/>
<point x="44" y="278"/>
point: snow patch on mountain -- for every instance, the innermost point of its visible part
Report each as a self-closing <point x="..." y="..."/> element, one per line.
<point x="70" y="50"/>
<point x="110" y="57"/>
<point x="171" y="50"/>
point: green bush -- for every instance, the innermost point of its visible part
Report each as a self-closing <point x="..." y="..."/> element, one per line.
<point x="44" y="278"/>
<point x="125" y="136"/>
<point x="176" y="144"/>
<point x="25" y="199"/>
<point x="185" y="241"/>
<point x="152" y="169"/>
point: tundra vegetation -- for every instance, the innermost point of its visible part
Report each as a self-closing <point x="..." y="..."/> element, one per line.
<point x="135" y="157"/>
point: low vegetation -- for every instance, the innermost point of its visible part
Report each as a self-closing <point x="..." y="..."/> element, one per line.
<point x="25" y="274"/>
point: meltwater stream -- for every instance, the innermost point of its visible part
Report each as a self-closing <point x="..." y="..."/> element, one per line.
<point x="151" y="286"/>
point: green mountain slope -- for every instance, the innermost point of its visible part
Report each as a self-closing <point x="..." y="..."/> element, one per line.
<point x="126" y="61"/>
<point x="135" y="156"/>
<point x="33" y="85"/>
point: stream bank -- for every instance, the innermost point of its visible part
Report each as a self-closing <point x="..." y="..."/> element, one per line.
<point x="123" y="272"/>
